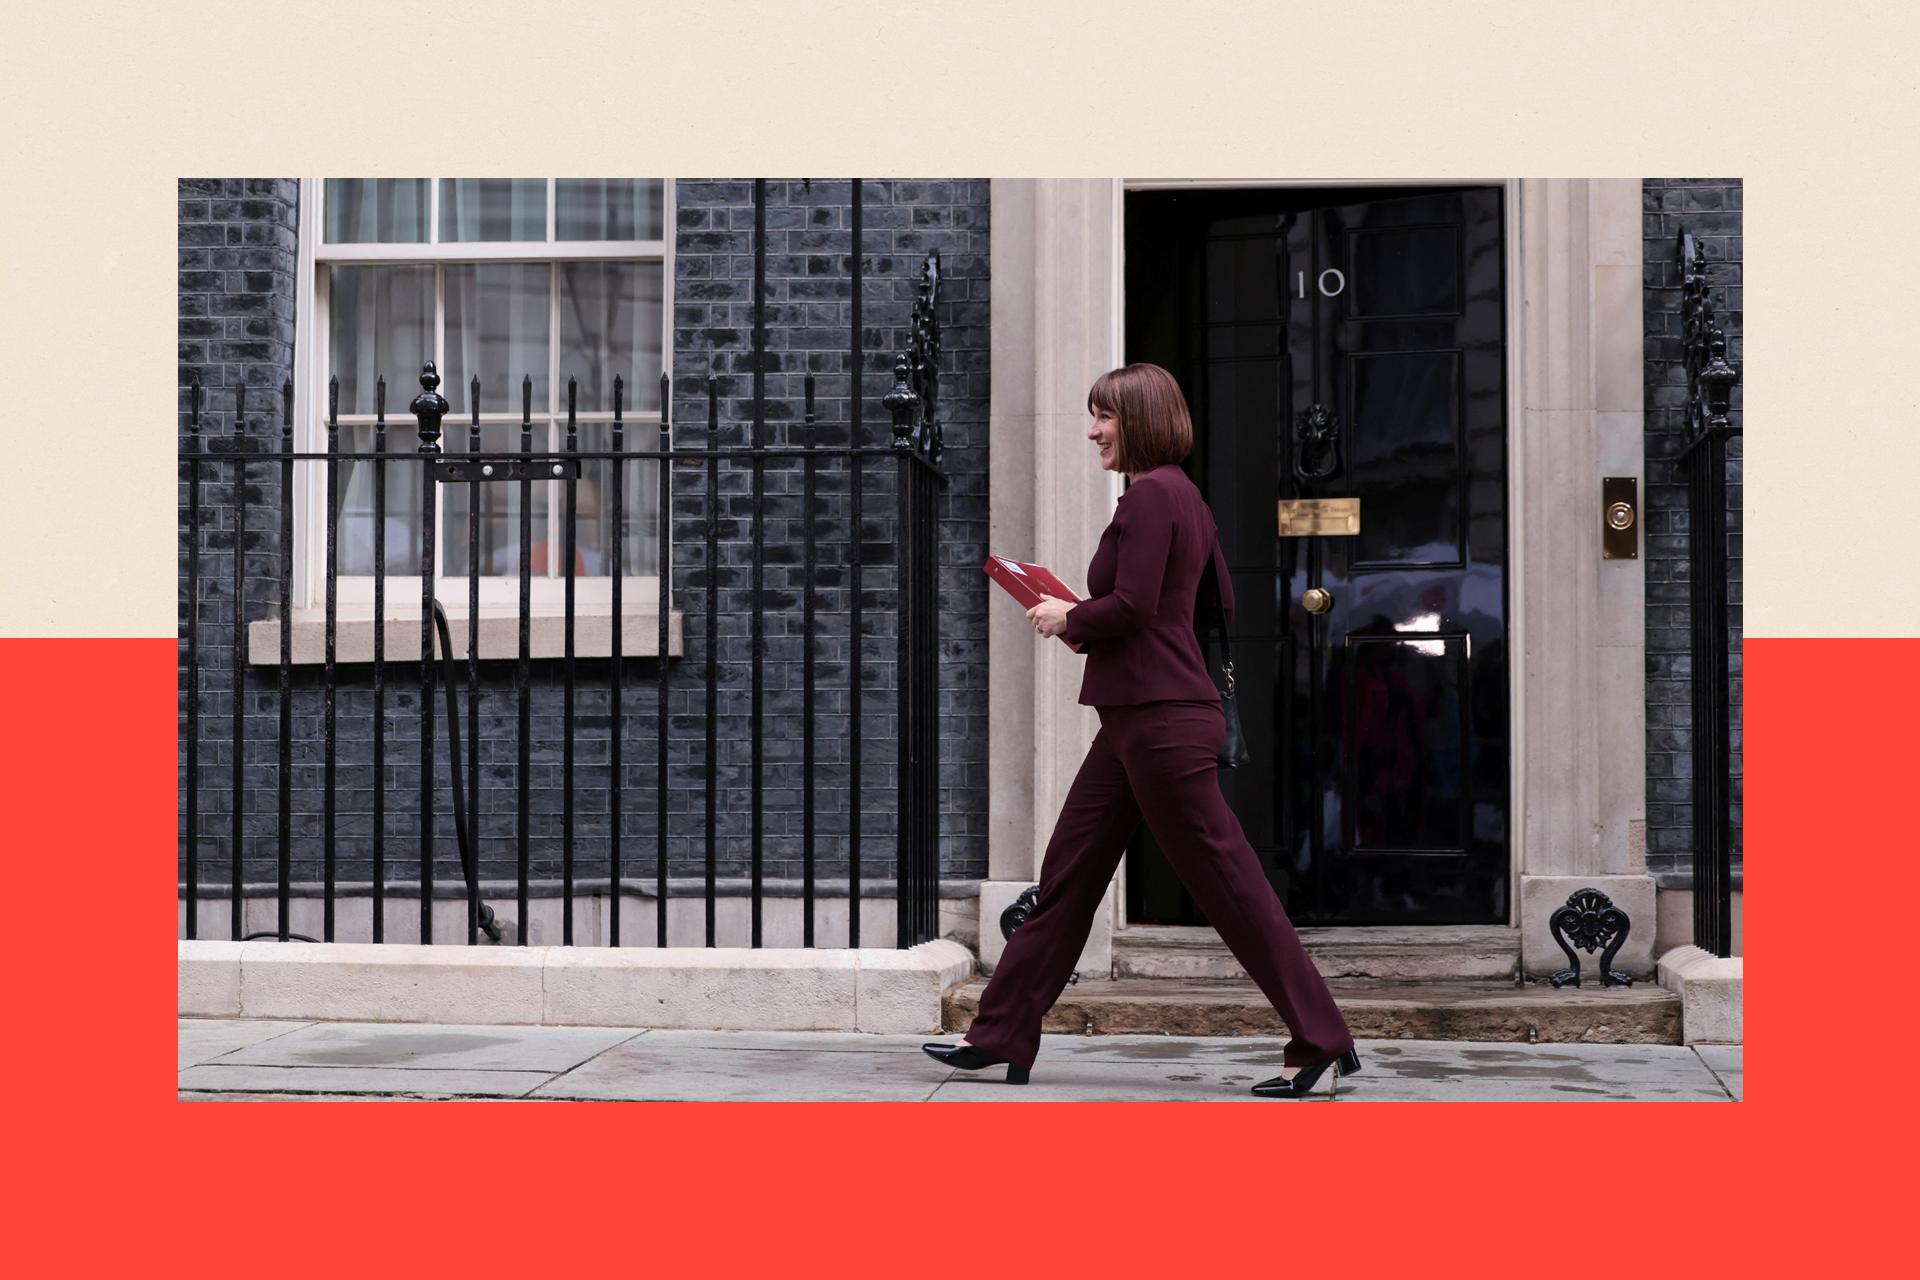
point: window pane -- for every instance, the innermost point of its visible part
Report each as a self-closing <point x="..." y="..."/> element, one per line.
<point x="498" y="317"/>
<point x="381" y="323"/>
<point x="492" y="209"/>
<point x="610" y="327"/>
<point x="354" y="540"/>
<point x="376" y="210"/>
<point x="607" y="208"/>
<point x="639" y="517"/>
<point x="499" y="507"/>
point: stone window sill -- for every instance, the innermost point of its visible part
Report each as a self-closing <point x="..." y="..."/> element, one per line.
<point x="499" y="634"/>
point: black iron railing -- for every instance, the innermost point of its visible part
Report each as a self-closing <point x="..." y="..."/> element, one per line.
<point x="904" y="475"/>
<point x="1710" y="381"/>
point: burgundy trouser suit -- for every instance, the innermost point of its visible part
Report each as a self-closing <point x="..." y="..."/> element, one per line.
<point x="1154" y="759"/>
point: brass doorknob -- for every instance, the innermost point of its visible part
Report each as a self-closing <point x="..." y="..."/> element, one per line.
<point x="1316" y="600"/>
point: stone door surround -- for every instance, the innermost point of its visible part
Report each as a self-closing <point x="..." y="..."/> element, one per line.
<point x="1575" y="410"/>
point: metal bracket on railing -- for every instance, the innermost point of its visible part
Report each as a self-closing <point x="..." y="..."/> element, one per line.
<point x="504" y="466"/>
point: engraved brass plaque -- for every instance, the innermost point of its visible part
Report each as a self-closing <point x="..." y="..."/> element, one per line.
<point x="1319" y="517"/>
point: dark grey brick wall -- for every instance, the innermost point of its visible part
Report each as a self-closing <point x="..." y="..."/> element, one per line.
<point x="237" y="251"/>
<point x="237" y="322"/>
<point x="809" y="235"/>
<point x="1710" y="209"/>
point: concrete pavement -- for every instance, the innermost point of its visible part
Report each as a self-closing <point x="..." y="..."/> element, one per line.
<point x="253" y="1059"/>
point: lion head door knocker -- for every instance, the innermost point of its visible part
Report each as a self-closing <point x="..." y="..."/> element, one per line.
<point x="1590" y="921"/>
<point x="1316" y="444"/>
<point x="1016" y="915"/>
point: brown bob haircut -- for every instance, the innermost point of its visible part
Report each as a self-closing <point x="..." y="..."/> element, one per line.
<point x="1155" y="428"/>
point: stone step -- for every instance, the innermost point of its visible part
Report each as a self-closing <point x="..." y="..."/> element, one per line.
<point x="1407" y="953"/>
<point x="1376" y="1009"/>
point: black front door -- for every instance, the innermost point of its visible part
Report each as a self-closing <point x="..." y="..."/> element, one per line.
<point x="1344" y="355"/>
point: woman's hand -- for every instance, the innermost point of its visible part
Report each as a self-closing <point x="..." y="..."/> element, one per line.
<point x="1049" y="617"/>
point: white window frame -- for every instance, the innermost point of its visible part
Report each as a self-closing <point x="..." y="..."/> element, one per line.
<point x="640" y="594"/>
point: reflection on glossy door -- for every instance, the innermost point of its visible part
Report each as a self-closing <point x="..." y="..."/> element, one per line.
<point x="1349" y="345"/>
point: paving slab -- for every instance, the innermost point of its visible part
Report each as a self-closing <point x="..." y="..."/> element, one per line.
<point x="1108" y="1080"/>
<point x="414" y="1080"/>
<point x="1721" y="1057"/>
<point x="641" y="1071"/>
<point x="817" y="1041"/>
<point x="204" y="1038"/>
<point x="1252" y="1051"/>
<point x="1419" y="1071"/>
<point x="1727" y="1062"/>
<point x="469" y="1048"/>
<point x="200" y="1095"/>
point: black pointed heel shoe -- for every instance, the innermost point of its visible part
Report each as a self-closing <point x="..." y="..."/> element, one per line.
<point x="1302" y="1084"/>
<point x="970" y="1057"/>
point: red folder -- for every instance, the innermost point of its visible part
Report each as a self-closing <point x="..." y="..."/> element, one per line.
<point x="1029" y="583"/>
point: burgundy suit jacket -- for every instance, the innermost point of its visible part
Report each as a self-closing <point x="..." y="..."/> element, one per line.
<point x="1138" y="619"/>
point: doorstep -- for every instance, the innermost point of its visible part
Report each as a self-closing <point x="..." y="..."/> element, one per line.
<point x="1380" y="1009"/>
<point x="1411" y="953"/>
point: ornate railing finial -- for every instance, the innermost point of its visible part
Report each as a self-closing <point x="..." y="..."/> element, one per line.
<point x="1710" y="378"/>
<point x="914" y="399"/>
<point x="903" y="402"/>
<point x="429" y="407"/>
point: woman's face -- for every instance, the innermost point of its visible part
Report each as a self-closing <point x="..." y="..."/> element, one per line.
<point x="1104" y="431"/>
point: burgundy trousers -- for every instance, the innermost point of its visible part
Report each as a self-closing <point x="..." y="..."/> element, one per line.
<point x="1155" y="761"/>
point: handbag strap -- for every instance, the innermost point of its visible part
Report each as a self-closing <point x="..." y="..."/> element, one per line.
<point x="1220" y="612"/>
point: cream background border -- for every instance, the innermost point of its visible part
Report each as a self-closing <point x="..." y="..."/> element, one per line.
<point x="106" y="106"/>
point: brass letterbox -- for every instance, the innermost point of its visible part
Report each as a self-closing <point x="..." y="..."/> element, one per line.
<point x="1319" y="517"/>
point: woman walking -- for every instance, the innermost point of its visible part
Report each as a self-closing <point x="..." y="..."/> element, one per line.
<point x="1155" y="757"/>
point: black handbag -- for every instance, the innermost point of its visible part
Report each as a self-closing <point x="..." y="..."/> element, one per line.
<point x="1233" y="750"/>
